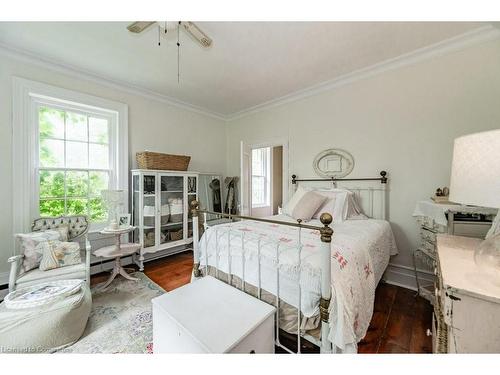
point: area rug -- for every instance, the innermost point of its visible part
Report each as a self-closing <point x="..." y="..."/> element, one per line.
<point x="121" y="318"/>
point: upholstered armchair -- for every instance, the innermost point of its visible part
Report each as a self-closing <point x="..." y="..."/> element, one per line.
<point x="78" y="227"/>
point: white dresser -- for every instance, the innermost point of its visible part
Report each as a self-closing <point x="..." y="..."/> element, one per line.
<point x="434" y="219"/>
<point x="467" y="309"/>
<point x="209" y="316"/>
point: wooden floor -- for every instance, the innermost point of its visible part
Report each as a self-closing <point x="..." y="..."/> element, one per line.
<point x="399" y="323"/>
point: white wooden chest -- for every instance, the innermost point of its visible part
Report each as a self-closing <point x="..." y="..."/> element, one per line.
<point x="209" y="316"/>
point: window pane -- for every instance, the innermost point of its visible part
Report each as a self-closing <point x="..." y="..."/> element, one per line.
<point x="51" y="153"/>
<point x="258" y="190"/>
<point x="76" y="127"/>
<point x="77" y="184"/>
<point x="51" y="184"/>
<point x="98" y="130"/>
<point x="98" y="212"/>
<point x="98" y="156"/>
<point x="51" y="207"/>
<point x="98" y="181"/>
<point x="76" y="207"/>
<point x="257" y="162"/>
<point x="50" y="123"/>
<point x="76" y="155"/>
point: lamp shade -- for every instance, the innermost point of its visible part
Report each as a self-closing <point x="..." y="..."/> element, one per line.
<point x="475" y="170"/>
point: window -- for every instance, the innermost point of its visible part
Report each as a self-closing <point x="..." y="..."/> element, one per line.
<point x="68" y="146"/>
<point x="73" y="162"/>
<point x="261" y="166"/>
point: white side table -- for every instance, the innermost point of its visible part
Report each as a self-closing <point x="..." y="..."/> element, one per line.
<point x="117" y="251"/>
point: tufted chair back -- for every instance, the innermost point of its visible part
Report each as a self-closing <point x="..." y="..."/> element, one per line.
<point x="78" y="225"/>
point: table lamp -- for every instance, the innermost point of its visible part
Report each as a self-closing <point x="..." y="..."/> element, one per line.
<point x="475" y="180"/>
<point x="113" y="201"/>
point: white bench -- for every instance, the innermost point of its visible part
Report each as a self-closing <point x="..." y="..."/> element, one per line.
<point x="209" y="316"/>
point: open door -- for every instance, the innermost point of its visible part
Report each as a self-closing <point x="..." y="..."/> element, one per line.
<point x="246" y="181"/>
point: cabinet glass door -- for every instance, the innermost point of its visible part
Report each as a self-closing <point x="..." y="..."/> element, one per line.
<point x="192" y="194"/>
<point x="171" y="208"/>
<point x="135" y="220"/>
<point x="149" y="210"/>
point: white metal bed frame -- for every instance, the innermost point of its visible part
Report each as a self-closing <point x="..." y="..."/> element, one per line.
<point x="373" y="202"/>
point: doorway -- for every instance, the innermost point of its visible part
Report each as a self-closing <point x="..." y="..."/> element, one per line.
<point x="263" y="175"/>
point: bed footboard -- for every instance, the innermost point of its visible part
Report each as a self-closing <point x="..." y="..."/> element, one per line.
<point x="326" y="233"/>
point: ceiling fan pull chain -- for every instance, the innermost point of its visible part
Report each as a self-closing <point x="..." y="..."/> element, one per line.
<point x="159" y="34"/>
<point x="178" y="53"/>
<point x="165" y="27"/>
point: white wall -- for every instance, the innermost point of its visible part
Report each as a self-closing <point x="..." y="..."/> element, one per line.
<point x="153" y="125"/>
<point x="403" y="121"/>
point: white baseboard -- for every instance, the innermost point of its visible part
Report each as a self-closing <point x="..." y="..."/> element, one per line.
<point x="404" y="276"/>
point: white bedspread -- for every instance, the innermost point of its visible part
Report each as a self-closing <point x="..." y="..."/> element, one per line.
<point x="360" y="254"/>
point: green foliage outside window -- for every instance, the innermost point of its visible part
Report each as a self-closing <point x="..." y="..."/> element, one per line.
<point x="68" y="192"/>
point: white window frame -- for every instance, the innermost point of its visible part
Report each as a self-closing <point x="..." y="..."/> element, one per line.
<point x="27" y="97"/>
<point x="267" y="177"/>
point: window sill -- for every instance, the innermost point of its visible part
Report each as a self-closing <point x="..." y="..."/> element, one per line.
<point x="261" y="206"/>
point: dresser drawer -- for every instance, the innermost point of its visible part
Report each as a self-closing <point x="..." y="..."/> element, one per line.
<point x="428" y="222"/>
<point x="428" y="235"/>
<point x="471" y="229"/>
<point x="429" y="248"/>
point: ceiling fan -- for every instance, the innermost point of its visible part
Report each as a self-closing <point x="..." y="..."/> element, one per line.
<point x="190" y="27"/>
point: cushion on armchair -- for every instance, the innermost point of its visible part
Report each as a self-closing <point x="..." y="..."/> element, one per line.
<point x="56" y="254"/>
<point x="76" y="271"/>
<point x="32" y="244"/>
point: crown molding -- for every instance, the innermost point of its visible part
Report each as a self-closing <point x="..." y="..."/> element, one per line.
<point x="454" y="44"/>
<point x="73" y="71"/>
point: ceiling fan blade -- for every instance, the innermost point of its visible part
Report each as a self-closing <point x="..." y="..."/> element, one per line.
<point x="138" y="27"/>
<point x="197" y="34"/>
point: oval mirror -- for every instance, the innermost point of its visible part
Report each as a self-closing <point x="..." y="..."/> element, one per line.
<point x="334" y="163"/>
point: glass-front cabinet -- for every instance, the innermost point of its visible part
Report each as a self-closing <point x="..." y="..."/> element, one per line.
<point x="160" y="210"/>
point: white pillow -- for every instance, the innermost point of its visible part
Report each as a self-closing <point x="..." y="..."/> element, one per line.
<point x="341" y="204"/>
<point x="308" y="205"/>
<point x="354" y="211"/>
<point x="297" y="196"/>
<point x="31" y="245"/>
<point x="336" y="204"/>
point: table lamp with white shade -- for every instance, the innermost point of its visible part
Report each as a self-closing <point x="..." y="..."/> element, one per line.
<point x="475" y="180"/>
<point x="114" y="202"/>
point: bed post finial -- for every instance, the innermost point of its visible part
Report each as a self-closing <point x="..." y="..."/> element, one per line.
<point x="294" y="179"/>
<point x="383" y="179"/>
<point x="326" y="232"/>
<point x="195" y="207"/>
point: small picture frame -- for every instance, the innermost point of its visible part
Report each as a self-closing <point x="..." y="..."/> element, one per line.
<point x="124" y="220"/>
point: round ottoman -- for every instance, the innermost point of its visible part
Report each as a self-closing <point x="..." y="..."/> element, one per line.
<point x="46" y="328"/>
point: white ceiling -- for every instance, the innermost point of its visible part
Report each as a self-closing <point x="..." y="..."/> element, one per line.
<point x="248" y="64"/>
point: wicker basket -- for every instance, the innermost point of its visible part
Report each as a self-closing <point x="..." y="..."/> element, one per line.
<point x="176" y="235"/>
<point x="156" y="160"/>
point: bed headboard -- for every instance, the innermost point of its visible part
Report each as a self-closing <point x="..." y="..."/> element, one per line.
<point x="370" y="192"/>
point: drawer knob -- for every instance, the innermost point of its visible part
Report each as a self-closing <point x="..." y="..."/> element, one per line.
<point x="429" y="332"/>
